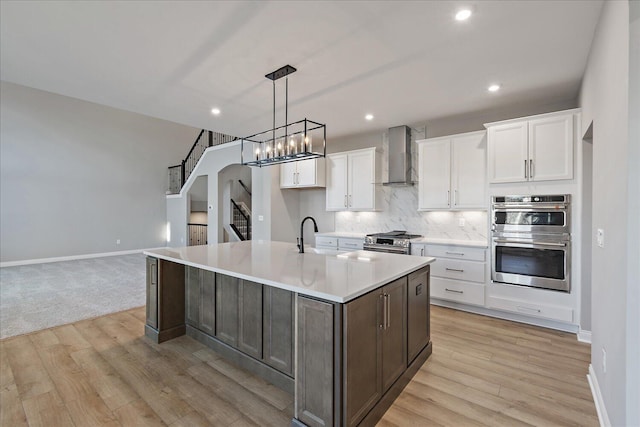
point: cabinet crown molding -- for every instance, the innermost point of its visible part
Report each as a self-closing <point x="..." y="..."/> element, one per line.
<point x="537" y="116"/>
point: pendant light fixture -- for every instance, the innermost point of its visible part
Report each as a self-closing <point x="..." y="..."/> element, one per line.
<point x="288" y="143"/>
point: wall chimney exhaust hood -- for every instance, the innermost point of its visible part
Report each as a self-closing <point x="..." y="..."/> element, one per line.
<point x="399" y="156"/>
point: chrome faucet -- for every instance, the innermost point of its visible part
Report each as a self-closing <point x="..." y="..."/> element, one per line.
<point x="300" y="240"/>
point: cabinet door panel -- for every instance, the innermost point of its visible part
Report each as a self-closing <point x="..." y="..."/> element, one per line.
<point x="337" y="182"/>
<point x="306" y="173"/>
<point x="362" y="364"/>
<point x="288" y="175"/>
<point x="551" y="148"/>
<point x="469" y="172"/>
<point x="418" y="323"/>
<point x="361" y="190"/>
<point x="250" y="316"/>
<point x="152" y="292"/>
<point x="434" y="175"/>
<point x="192" y="289"/>
<point x="278" y="329"/>
<point x="227" y="309"/>
<point x="394" y="334"/>
<point x="207" y="302"/>
<point x="508" y="153"/>
<point x="314" y="362"/>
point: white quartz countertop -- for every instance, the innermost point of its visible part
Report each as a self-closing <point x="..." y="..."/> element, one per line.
<point x="333" y="277"/>
<point x="452" y="242"/>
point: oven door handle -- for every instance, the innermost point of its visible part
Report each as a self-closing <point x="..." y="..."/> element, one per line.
<point x="532" y="243"/>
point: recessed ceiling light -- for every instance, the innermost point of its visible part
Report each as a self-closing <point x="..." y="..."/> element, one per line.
<point x="215" y="111"/>
<point x="463" y="15"/>
<point x="369" y="117"/>
<point x="494" y="88"/>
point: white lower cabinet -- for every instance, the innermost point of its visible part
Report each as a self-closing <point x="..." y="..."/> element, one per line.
<point x="339" y="243"/>
<point x="547" y="311"/>
<point x="459" y="273"/>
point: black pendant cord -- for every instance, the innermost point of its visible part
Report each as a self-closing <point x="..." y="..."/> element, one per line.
<point x="274" y="114"/>
<point x="286" y="107"/>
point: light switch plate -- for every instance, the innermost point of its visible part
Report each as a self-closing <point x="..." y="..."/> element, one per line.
<point x="600" y="237"/>
<point x="260" y="218"/>
<point x="461" y="222"/>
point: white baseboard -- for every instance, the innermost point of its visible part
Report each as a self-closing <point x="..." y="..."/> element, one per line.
<point x="67" y="258"/>
<point x="603" y="417"/>
<point x="584" y="336"/>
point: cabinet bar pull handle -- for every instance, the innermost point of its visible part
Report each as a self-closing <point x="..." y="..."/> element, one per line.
<point x="525" y="169"/>
<point x="454" y="291"/>
<point x="454" y="269"/>
<point x="455" y="253"/>
<point x="448" y="197"/>
<point x="345" y="200"/>
<point x="422" y="252"/>
<point x="387" y="322"/>
<point x="384" y="312"/>
<point x="455" y="197"/>
<point x="531" y="168"/>
<point x="350" y="201"/>
<point x="523" y="308"/>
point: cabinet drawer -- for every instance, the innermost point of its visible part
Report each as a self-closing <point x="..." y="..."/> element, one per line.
<point x="457" y="252"/>
<point x="327" y="242"/>
<point x="452" y="290"/>
<point x="555" y="312"/>
<point x="350" y="244"/>
<point x="471" y="271"/>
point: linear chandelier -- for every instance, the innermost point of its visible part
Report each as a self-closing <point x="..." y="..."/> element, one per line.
<point x="291" y="142"/>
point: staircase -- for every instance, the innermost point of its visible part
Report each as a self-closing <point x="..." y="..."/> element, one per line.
<point x="179" y="174"/>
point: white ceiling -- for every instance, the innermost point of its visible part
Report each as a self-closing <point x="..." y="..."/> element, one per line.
<point x="404" y="62"/>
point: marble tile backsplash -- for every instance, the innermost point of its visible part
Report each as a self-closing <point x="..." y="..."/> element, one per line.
<point x="400" y="212"/>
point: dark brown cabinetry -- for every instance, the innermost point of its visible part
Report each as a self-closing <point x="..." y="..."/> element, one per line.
<point x="375" y="328"/>
<point x="165" y="304"/>
<point x="250" y="318"/>
<point x="418" y="324"/>
<point x="152" y="292"/>
<point x="227" y="297"/>
<point x="277" y="323"/>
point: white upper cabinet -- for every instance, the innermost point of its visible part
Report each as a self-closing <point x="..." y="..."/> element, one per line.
<point x="303" y="173"/>
<point x="452" y="172"/>
<point x="538" y="148"/>
<point x="351" y="180"/>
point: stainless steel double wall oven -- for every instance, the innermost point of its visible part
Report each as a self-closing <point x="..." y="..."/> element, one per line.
<point x="531" y="241"/>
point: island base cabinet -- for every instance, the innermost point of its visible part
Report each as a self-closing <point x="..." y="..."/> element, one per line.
<point x="418" y="310"/>
<point x="250" y="318"/>
<point x="165" y="300"/>
<point x="314" y="374"/>
<point x="278" y="329"/>
<point x="375" y="355"/>
<point x="227" y="297"/>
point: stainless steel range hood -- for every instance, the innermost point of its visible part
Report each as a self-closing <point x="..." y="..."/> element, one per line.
<point x="399" y="156"/>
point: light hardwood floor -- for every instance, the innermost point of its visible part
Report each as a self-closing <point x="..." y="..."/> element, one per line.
<point x="103" y="371"/>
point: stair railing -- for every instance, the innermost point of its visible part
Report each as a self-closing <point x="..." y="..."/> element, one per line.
<point x="244" y="186"/>
<point x="179" y="174"/>
<point x="197" y="234"/>
<point x="240" y="222"/>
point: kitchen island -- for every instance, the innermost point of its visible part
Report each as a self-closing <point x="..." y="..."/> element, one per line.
<point x="343" y="332"/>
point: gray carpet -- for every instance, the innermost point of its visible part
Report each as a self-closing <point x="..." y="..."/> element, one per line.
<point x="39" y="296"/>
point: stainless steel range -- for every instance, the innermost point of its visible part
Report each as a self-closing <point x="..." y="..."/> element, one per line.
<point x="395" y="242"/>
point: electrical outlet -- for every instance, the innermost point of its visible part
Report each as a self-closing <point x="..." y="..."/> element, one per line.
<point x="358" y="219"/>
<point x="260" y="218"/>
<point x="118" y="242"/>
<point x="604" y="361"/>
<point x="600" y="237"/>
<point x="461" y="222"/>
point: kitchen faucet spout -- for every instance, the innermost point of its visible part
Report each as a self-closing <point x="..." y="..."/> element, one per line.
<point x="300" y="239"/>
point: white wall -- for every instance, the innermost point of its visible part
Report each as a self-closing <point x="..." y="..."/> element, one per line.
<point x="604" y="101"/>
<point x="77" y="176"/>
<point x="633" y="241"/>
